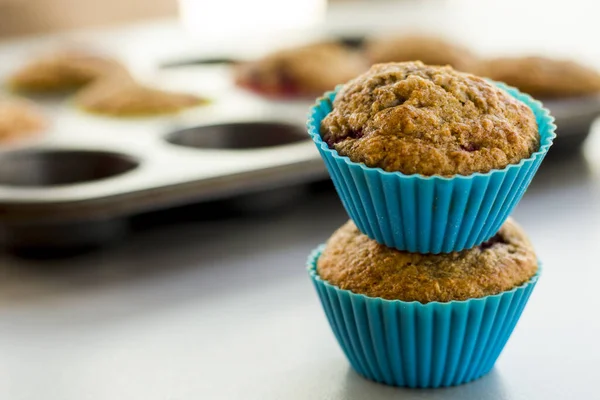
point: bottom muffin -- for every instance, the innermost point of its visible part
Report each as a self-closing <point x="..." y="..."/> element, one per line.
<point x="423" y="320"/>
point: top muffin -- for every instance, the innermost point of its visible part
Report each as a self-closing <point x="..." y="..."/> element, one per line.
<point x="307" y="70"/>
<point x="419" y="119"/>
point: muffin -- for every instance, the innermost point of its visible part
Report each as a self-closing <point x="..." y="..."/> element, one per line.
<point x="301" y="71"/>
<point x="543" y="77"/>
<point x="426" y="159"/>
<point x="122" y="97"/>
<point x="423" y="320"/>
<point x="63" y="71"/>
<point x="19" y="119"/>
<point x="419" y="119"/>
<point x="352" y="261"/>
<point x="428" y="49"/>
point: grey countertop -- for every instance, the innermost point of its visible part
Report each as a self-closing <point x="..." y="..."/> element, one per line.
<point x="222" y="308"/>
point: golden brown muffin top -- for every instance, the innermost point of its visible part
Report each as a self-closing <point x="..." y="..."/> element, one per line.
<point x="428" y="49"/>
<point x="301" y="71"/>
<point x="125" y="97"/>
<point x="63" y="70"/>
<point x="352" y="261"/>
<point x="544" y="77"/>
<point x="19" y="118"/>
<point x="420" y="119"/>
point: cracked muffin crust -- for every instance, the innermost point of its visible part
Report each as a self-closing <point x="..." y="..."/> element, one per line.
<point x="427" y="49"/>
<point x="124" y="97"/>
<point x="544" y="77"/>
<point x="302" y="71"/>
<point x="419" y="119"/>
<point x="352" y="261"/>
<point x="64" y="70"/>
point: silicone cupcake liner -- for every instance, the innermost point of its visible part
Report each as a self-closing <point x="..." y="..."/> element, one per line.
<point x="420" y="345"/>
<point x="432" y="214"/>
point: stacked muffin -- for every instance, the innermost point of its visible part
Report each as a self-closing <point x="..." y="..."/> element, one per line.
<point x="425" y="284"/>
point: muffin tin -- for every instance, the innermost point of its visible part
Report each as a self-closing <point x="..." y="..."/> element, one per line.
<point x="78" y="184"/>
<point x="574" y="119"/>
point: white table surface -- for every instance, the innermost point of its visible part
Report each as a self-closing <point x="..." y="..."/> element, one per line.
<point x="225" y="310"/>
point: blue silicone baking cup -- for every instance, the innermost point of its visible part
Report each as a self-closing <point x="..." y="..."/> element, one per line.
<point x="417" y="345"/>
<point x="430" y="214"/>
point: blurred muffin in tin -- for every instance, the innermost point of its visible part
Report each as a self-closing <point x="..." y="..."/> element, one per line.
<point x="122" y="96"/>
<point x="302" y="71"/>
<point x="430" y="50"/>
<point x="19" y="119"/>
<point x="63" y="71"/>
<point x="544" y="77"/>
